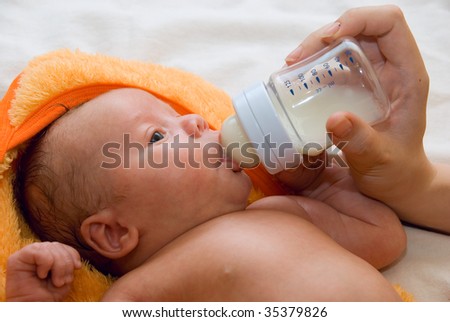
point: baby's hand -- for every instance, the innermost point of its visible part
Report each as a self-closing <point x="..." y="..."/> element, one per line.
<point x="41" y="272"/>
<point x="305" y="174"/>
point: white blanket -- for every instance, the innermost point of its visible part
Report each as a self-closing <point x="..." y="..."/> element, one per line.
<point x="233" y="44"/>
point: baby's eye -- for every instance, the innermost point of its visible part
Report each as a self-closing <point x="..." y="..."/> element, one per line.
<point x="157" y="136"/>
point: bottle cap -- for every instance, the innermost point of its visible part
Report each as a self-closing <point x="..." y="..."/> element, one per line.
<point x="257" y="114"/>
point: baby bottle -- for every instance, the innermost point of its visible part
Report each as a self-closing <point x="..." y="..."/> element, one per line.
<point x="279" y="122"/>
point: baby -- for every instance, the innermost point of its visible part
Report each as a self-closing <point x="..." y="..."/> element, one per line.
<point x="184" y="231"/>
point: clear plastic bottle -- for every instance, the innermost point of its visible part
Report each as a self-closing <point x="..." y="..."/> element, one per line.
<point x="280" y="121"/>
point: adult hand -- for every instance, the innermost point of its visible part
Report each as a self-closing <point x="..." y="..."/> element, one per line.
<point x="387" y="161"/>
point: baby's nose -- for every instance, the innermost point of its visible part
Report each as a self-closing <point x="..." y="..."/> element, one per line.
<point x="194" y="124"/>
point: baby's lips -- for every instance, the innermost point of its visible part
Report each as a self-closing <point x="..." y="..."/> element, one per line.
<point x="235" y="166"/>
<point x="231" y="164"/>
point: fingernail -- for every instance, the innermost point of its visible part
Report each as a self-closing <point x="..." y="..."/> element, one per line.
<point x="295" y="55"/>
<point x="342" y="127"/>
<point x="331" y="29"/>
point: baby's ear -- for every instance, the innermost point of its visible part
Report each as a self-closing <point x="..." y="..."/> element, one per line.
<point x="108" y="236"/>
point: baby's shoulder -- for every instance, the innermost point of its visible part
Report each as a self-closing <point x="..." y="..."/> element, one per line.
<point x="212" y="260"/>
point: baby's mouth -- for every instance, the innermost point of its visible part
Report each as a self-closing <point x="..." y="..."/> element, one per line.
<point x="231" y="164"/>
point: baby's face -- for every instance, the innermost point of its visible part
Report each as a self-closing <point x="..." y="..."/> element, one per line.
<point x="168" y="169"/>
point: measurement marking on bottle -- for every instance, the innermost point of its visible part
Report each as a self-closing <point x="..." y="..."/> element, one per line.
<point x="330" y="73"/>
<point x="351" y="59"/>
<point x="292" y="91"/>
<point x="306" y="85"/>
<point x="318" y="79"/>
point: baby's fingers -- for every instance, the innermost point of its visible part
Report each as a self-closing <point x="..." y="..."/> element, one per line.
<point x="75" y="256"/>
<point x="40" y="255"/>
<point x="66" y="260"/>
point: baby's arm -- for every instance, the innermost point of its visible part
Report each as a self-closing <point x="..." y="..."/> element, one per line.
<point x="364" y="226"/>
<point x="41" y="272"/>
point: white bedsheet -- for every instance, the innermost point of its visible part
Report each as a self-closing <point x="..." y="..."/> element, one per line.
<point x="233" y="44"/>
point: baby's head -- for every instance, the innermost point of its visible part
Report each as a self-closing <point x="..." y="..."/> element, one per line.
<point x="123" y="175"/>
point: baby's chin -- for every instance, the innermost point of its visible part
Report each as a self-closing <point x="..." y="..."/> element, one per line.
<point x="245" y="189"/>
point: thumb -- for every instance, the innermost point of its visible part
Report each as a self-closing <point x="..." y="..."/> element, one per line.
<point x="361" y="144"/>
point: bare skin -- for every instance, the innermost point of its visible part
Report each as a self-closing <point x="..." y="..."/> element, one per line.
<point x="388" y="161"/>
<point x="322" y="244"/>
<point x="217" y="242"/>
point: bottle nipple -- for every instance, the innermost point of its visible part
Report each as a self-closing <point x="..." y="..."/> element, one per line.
<point x="236" y="143"/>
